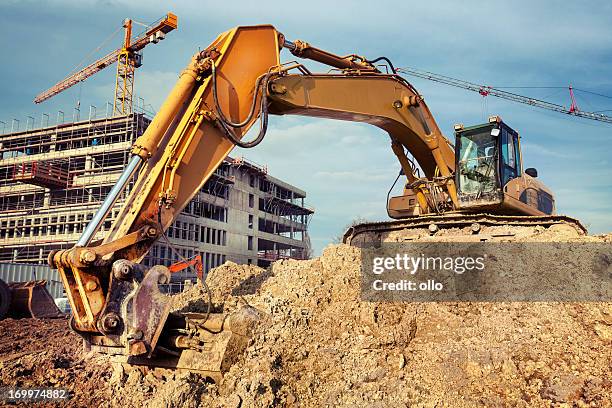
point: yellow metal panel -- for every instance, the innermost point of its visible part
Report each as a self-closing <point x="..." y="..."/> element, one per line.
<point x="245" y="54"/>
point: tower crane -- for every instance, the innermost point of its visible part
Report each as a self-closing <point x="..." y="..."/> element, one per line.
<point x="128" y="58"/>
<point x="485" y="90"/>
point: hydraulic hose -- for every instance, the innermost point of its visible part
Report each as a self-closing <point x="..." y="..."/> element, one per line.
<point x="225" y="123"/>
<point x="391" y="189"/>
<point x="387" y="60"/>
<point x="173" y="249"/>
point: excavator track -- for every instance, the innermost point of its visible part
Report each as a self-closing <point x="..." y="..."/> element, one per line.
<point x="476" y="227"/>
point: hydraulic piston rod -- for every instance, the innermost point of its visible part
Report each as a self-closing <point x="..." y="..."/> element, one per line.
<point x="110" y="200"/>
<point x="304" y="50"/>
<point x="147" y="143"/>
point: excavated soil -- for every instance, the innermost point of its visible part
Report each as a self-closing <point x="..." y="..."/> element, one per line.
<point x="45" y="353"/>
<point x="320" y="345"/>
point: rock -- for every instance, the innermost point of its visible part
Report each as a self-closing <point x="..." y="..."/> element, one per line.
<point x="597" y="390"/>
<point x="603" y="331"/>
<point x="233" y="401"/>
<point x="375" y="376"/>
<point x="564" y="388"/>
<point x="119" y="375"/>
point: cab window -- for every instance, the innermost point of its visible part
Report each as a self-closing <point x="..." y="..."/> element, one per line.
<point x="477" y="160"/>
<point x="510" y="159"/>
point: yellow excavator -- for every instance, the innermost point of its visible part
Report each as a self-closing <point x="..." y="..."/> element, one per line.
<point x="239" y="80"/>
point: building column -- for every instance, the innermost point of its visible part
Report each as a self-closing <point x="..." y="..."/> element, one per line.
<point x="88" y="164"/>
<point x="47" y="198"/>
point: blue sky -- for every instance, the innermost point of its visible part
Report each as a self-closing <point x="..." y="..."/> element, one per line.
<point x="347" y="168"/>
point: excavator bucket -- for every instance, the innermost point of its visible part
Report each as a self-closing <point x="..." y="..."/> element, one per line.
<point x="207" y="345"/>
<point x="31" y="299"/>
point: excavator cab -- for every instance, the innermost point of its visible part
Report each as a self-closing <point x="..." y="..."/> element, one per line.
<point x="489" y="173"/>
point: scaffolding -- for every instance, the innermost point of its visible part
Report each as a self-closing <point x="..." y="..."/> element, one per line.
<point x="279" y="201"/>
<point x="52" y="180"/>
<point x="248" y="166"/>
<point x="282" y="213"/>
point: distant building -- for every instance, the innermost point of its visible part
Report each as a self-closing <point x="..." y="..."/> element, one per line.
<point x="53" y="179"/>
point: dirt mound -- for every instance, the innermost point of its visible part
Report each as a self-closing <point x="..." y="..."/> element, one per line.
<point x="320" y="340"/>
<point x="321" y="345"/>
<point x="324" y="346"/>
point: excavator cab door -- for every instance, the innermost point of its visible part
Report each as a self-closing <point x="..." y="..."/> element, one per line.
<point x="489" y="175"/>
<point x="510" y="154"/>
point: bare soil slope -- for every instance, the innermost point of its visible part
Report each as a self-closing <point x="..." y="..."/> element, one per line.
<point x="320" y="345"/>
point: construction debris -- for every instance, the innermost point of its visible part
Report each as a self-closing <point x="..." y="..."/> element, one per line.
<point x="319" y="344"/>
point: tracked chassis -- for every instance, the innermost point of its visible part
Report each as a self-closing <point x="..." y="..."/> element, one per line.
<point x="457" y="227"/>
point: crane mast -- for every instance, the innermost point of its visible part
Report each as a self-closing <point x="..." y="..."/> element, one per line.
<point x="127" y="62"/>
<point x="128" y="58"/>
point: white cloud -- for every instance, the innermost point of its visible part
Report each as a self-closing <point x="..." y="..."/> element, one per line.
<point x="535" y="148"/>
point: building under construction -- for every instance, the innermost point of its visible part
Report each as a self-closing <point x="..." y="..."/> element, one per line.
<point x="54" y="178"/>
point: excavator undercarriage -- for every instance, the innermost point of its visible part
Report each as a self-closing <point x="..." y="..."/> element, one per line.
<point x="458" y="227"/>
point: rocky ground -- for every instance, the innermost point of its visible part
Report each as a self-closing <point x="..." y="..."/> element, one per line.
<point x="320" y="345"/>
<point x="45" y="353"/>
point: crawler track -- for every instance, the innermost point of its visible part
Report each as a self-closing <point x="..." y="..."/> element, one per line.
<point x="458" y="220"/>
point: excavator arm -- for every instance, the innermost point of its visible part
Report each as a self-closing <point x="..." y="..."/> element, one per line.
<point x="235" y="82"/>
<point x="385" y="101"/>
